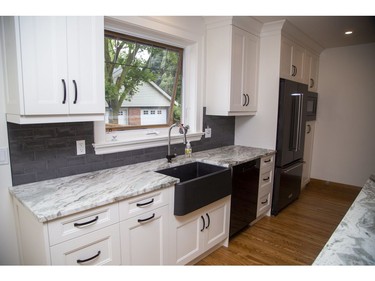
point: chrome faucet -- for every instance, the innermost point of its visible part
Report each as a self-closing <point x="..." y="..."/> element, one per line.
<point x="183" y="130"/>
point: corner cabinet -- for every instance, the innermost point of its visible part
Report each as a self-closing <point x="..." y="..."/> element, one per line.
<point x="54" y="69"/>
<point x="231" y="71"/>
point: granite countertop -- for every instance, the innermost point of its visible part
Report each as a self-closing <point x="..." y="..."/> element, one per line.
<point x="52" y="199"/>
<point x="353" y="241"/>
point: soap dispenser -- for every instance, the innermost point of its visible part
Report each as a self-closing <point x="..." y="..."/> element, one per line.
<point x="188" y="150"/>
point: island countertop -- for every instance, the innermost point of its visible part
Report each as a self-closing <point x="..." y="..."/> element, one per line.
<point x="52" y="199"/>
<point x="353" y="241"/>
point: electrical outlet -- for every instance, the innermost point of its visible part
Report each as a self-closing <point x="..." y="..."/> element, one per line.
<point x="81" y="147"/>
<point x="207" y="133"/>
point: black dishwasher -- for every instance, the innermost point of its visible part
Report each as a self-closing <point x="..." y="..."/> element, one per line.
<point x="245" y="183"/>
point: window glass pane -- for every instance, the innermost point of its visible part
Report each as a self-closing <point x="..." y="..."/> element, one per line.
<point x="142" y="83"/>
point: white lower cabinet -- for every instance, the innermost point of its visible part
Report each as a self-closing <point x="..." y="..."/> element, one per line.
<point x="96" y="248"/>
<point x="199" y="231"/>
<point x="144" y="238"/>
<point x="266" y="174"/>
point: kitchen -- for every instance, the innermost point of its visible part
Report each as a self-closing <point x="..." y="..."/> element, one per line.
<point x="360" y="147"/>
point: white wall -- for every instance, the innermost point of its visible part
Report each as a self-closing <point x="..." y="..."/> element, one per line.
<point x="344" y="142"/>
<point x="8" y="239"/>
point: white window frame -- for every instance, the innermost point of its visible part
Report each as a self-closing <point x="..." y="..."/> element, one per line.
<point x="192" y="43"/>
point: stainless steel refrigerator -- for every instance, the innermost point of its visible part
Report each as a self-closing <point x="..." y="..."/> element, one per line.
<point x="289" y="144"/>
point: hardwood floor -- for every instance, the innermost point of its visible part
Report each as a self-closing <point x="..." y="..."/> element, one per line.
<point x="296" y="235"/>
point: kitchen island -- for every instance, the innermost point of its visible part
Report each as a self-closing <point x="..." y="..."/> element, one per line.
<point x="353" y="241"/>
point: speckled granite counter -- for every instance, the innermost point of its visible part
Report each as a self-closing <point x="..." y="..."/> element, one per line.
<point x="56" y="198"/>
<point x="353" y="242"/>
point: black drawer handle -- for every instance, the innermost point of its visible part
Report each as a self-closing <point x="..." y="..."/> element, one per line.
<point x="145" y="204"/>
<point x="266" y="179"/>
<point x="204" y="223"/>
<point x="267" y="161"/>
<point x="89" y="259"/>
<point x="75" y="92"/>
<point x="64" y="100"/>
<point x="209" y="221"/>
<point x="144" y="220"/>
<point x="86" y="223"/>
<point x="264" y="202"/>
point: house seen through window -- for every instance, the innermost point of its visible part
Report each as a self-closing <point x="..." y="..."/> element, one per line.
<point x="142" y="83"/>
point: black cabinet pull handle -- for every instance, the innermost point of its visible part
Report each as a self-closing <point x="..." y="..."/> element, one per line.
<point x="86" y="223"/>
<point x="248" y="100"/>
<point x="75" y="92"/>
<point x="89" y="259"/>
<point x="309" y="129"/>
<point x="312" y="83"/>
<point x="244" y="103"/>
<point x="145" y="204"/>
<point x="266" y="179"/>
<point x="204" y="223"/>
<point x="209" y="221"/>
<point x="267" y="161"/>
<point x="150" y="218"/>
<point x="64" y="100"/>
<point x="264" y="202"/>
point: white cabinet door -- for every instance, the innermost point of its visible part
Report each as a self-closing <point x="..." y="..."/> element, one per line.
<point x="231" y="71"/>
<point x="85" y="61"/>
<point x="292" y="61"/>
<point x="186" y="239"/>
<point x="144" y="238"/>
<point x="217" y="223"/>
<point x="244" y="71"/>
<point x="44" y="65"/>
<point x="313" y="68"/>
<point x="307" y="154"/>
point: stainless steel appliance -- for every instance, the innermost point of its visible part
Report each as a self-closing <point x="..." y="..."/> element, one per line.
<point x="245" y="185"/>
<point x="311" y="106"/>
<point x="289" y="144"/>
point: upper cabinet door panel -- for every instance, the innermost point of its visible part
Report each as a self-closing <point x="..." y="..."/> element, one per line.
<point x="44" y="64"/>
<point x="85" y="62"/>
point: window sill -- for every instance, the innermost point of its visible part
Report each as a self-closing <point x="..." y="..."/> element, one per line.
<point x="119" y="146"/>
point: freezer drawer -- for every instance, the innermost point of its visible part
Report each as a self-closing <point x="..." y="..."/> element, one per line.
<point x="287" y="186"/>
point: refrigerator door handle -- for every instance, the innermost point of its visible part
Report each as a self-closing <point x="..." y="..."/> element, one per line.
<point x="292" y="167"/>
<point x="299" y="122"/>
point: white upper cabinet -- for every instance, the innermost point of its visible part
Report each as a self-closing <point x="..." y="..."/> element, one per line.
<point x="312" y="67"/>
<point x="231" y="71"/>
<point x="292" y="66"/>
<point x="55" y="68"/>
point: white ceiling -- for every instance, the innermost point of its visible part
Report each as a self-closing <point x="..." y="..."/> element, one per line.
<point x="328" y="31"/>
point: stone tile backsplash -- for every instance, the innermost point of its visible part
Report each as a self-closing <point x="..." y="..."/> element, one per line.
<point x="46" y="151"/>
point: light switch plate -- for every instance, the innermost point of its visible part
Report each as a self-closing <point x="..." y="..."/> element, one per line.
<point x="81" y="147"/>
<point x="4" y="159"/>
<point x="207" y="133"/>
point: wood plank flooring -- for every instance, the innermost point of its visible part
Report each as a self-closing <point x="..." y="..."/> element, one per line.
<point x="296" y="235"/>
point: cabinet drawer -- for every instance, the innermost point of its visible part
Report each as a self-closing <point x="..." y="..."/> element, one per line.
<point x="82" y="223"/>
<point x="144" y="203"/>
<point x="264" y="203"/>
<point x="265" y="178"/>
<point x="96" y="248"/>
<point x="267" y="161"/>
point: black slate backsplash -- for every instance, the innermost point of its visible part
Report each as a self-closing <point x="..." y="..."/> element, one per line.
<point x="46" y="151"/>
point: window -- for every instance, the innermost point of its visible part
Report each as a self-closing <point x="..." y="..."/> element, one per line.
<point x="184" y="38"/>
<point x="141" y="74"/>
